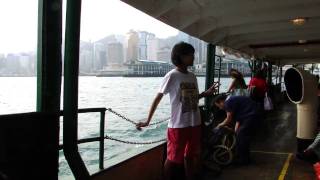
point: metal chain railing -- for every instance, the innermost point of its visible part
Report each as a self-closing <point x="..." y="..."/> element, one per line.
<point x="135" y="123"/>
<point x="134" y="142"/>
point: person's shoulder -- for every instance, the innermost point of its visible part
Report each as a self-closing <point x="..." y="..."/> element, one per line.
<point x="191" y="74"/>
<point x="230" y="98"/>
<point x="171" y="73"/>
<point x="236" y="98"/>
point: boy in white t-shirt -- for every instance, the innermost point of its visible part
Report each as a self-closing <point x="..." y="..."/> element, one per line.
<point x="184" y="128"/>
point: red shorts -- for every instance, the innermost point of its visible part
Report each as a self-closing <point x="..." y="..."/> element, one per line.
<point x="183" y="142"/>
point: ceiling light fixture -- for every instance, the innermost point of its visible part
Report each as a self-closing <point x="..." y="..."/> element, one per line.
<point x="302" y="41"/>
<point x="299" y="21"/>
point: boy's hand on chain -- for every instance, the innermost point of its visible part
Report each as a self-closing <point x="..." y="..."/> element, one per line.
<point x="140" y="125"/>
<point x="213" y="88"/>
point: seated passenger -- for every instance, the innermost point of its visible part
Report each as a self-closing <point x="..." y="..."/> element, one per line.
<point x="243" y="111"/>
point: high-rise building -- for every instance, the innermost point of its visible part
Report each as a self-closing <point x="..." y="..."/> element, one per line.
<point x="112" y="39"/>
<point x="33" y="63"/>
<point x="86" y="58"/>
<point x="2" y="61"/>
<point x="115" y="53"/>
<point x="99" y="56"/>
<point x="86" y="61"/>
<point x="13" y="64"/>
<point x="164" y="54"/>
<point x="144" y="36"/>
<point x="153" y="45"/>
<point x="203" y="53"/>
<point x="132" y="50"/>
<point x="25" y="64"/>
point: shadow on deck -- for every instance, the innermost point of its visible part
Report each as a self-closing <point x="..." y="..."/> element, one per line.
<point x="273" y="151"/>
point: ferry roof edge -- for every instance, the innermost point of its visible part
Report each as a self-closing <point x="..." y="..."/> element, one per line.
<point x="284" y="32"/>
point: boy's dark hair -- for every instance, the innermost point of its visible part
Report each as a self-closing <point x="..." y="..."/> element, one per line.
<point x="180" y="49"/>
<point x="219" y="98"/>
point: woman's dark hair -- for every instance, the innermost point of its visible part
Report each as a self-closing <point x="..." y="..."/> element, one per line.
<point x="219" y="98"/>
<point x="235" y="74"/>
<point x="238" y="78"/>
<point x="180" y="49"/>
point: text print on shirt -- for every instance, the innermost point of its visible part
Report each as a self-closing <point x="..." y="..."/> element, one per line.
<point x="189" y="97"/>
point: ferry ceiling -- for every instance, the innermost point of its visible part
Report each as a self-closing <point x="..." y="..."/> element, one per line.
<point x="280" y="31"/>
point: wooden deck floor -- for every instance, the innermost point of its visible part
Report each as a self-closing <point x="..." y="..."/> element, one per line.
<point x="272" y="152"/>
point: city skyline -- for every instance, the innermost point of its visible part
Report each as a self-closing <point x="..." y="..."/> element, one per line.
<point x="108" y="52"/>
<point x="115" y="53"/>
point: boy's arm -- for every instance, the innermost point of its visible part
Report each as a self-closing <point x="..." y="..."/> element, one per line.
<point x="153" y="108"/>
<point x="227" y="120"/>
<point x="210" y="91"/>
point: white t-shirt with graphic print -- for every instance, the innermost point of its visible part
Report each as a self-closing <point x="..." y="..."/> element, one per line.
<point x="183" y="91"/>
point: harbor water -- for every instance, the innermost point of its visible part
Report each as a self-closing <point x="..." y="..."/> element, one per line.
<point x="131" y="97"/>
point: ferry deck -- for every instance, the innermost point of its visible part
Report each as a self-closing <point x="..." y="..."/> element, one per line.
<point x="273" y="151"/>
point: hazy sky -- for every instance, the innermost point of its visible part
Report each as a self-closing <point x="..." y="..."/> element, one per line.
<point x="18" y="22"/>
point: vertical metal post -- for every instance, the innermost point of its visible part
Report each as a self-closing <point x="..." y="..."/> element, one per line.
<point x="281" y="73"/>
<point x="49" y="65"/>
<point x="277" y="75"/>
<point x="70" y="99"/>
<point x="254" y="68"/>
<point x="49" y="68"/>
<point x="280" y="79"/>
<point x="219" y="73"/>
<point x="269" y="74"/>
<point x="210" y="70"/>
<point x="101" y="145"/>
<point x="312" y="68"/>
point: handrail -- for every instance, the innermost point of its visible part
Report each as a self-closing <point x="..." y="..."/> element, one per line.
<point x="102" y="136"/>
<point x="87" y="110"/>
<point x="93" y="139"/>
<point x="84" y="140"/>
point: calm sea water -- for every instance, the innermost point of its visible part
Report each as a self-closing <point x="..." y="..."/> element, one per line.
<point x="131" y="97"/>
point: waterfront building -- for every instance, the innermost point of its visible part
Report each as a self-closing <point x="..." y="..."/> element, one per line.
<point x="114" y="70"/>
<point x="147" y="68"/>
